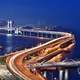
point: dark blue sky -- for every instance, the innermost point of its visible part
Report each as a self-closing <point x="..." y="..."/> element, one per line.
<point x="59" y="12"/>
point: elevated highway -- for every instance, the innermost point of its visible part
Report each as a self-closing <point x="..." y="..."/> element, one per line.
<point x="20" y="63"/>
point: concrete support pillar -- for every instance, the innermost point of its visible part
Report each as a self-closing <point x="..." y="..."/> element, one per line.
<point x="37" y="34"/>
<point x="51" y="36"/>
<point x="30" y="34"/>
<point x="23" y="33"/>
<point x="41" y="35"/>
<point x="46" y="35"/>
<point x="60" y="74"/>
<point x="66" y="74"/>
<point x="45" y="74"/>
<point x="63" y="74"/>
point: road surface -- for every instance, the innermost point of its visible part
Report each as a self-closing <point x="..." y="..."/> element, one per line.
<point x="20" y="63"/>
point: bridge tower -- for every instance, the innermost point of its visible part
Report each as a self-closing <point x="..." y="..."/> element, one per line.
<point x="9" y="26"/>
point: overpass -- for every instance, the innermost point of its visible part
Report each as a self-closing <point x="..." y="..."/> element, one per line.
<point x="21" y="63"/>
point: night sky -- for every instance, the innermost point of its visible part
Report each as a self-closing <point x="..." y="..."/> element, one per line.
<point x="51" y="12"/>
<point x="64" y="13"/>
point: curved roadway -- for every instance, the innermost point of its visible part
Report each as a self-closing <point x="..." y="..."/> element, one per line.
<point x="20" y="65"/>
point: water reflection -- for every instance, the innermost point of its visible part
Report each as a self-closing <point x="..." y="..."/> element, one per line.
<point x="13" y="43"/>
<point x="9" y="44"/>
